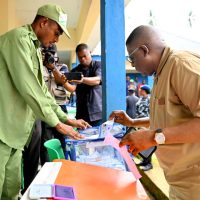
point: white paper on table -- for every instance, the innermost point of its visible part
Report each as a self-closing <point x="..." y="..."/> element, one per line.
<point x="92" y="137"/>
<point x="107" y="126"/>
<point x="109" y="139"/>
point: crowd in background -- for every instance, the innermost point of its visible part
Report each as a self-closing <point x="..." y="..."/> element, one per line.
<point x="137" y="106"/>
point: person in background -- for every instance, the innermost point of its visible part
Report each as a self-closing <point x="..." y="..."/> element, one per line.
<point x="56" y="83"/>
<point x="136" y="80"/>
<point x="57" y="86"/>
<point x="142" y="105"/>
<point x="139" y="85"/>
<point x="174" y="111"/>
<point x="89" y="88"/>
<point x="127" y="83"/>
<point x="142" y="110"/>
<point x="54" y="76"/>
<point x="132" y="83"/>
<point x="72" y="99"/>
<point x="24" y="90"/>
<point x="131" y="101"/>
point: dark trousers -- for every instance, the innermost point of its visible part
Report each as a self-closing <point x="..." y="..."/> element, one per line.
<point x="147" y="161"/>
<point x="36" y="151"/>
<point x="95" y="123"/>
<point x="47" y="134"/>
<point x="31" y="156"/>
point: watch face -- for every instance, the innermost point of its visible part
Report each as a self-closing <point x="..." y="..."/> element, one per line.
<point x="160" y="138"/>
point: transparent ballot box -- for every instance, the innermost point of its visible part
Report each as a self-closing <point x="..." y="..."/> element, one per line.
<point x="93" y="150"/>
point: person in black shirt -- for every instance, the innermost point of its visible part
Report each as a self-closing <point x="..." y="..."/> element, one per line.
<point x="89" y="88"/>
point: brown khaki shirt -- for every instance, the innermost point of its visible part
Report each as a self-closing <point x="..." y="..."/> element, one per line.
<point x="175" y="99"/>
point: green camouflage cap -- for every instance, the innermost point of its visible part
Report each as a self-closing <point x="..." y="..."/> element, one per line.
<point x="56" y="13"/>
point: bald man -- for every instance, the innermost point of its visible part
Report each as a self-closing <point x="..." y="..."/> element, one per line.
<point x="174" y="111"/>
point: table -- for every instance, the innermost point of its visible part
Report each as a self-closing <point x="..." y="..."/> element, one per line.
<point x="91" y="182"/>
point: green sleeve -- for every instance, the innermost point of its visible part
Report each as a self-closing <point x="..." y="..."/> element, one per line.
<point x="24" y="65"/>
<point x="60" y="114"/>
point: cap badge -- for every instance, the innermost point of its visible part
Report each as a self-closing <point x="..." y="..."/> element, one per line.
<point x="63" y="19"/>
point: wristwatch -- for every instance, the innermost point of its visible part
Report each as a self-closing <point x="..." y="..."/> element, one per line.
<point x="159" y="136"/>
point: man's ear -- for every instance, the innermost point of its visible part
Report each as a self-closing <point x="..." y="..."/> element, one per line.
<point x="145" y="49"/>
<point x="43" y="22"/>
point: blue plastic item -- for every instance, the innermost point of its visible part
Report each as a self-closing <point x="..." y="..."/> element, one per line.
<point x="92" y="149"/>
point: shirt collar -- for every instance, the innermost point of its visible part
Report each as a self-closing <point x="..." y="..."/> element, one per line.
<point x="167" y="52"/>
<point x="33" y="36"/>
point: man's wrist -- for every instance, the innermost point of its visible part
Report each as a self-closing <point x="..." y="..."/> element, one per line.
<point x="58" y="126"/>
<point x="65" y="82"/>
<point x="70" y="122"/>
<point x="132" y="121"/>
<point x="53" y="69"/>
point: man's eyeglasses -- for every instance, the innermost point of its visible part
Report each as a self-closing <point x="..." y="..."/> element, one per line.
<point x="130" y="58"/>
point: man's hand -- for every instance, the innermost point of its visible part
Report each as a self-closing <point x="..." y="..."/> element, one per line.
<point x="80" y="123"/>
<point x="69" y="131"/>
<point x="120" y="117"/>
<point x="138" y="141"/>
<point x="50" y="66"/>
<point x="63" y="79"/>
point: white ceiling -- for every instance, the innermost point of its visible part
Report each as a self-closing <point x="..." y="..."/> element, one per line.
<point x="27" y="9"/>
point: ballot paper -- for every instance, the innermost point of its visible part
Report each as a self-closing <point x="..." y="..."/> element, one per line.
<point x="110" y="140"/>
<point x="90" y="133"/>
<point x="106" y="127"/>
